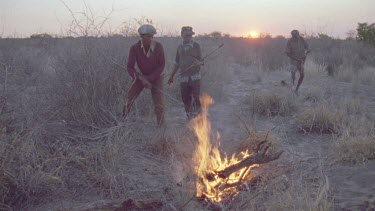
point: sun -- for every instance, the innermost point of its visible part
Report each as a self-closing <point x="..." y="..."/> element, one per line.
<point x="253" y="34"/>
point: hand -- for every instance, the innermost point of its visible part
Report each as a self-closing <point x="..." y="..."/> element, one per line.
<point x="170" y="80"/>
<point x="144" y="81"/>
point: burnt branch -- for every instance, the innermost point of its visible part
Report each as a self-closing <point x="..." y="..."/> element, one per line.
<point x="239" y="184"/>
<point x="259" y="157"/>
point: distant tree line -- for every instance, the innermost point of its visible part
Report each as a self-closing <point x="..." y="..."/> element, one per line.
<point x="41" y="36"/>
<point x="366" y="33"/>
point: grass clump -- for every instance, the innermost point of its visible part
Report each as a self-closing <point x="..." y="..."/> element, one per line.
<point x="357" y="142"/>
<point x="355" y="149"/>
<point x="272" y="104"/>
<point x="320" y="119"/>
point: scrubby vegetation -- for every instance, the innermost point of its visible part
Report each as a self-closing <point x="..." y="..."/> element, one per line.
<point x="61" y="100"/>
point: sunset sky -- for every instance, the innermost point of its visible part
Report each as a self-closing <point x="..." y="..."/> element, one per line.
<point x="236" y="17"/>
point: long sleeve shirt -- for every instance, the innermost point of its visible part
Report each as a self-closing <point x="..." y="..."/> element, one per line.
<point x="151" y="63"/>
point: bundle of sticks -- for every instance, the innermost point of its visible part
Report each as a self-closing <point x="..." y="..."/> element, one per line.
<point x="260" y="156"/>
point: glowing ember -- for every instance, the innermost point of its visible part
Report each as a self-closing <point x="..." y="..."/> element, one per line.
<point x="209" y="161"/>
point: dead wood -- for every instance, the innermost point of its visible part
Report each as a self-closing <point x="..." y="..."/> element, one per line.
<point x="259" y="157"/>
<point x="241" y="185"/>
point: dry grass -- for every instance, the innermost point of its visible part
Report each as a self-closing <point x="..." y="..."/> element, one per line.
<point x="268" y="103"/>
<point x="358" y="149"/>
<point x="354" y="131"/>
<point x="49" y="168"/>
<point x="345" y="75"/>
<point x="321" y="119"/>
<point x="61" y="139"/>
<point x="365" y="76"/>
<point x="298" y="196"/>
<point x="162" y="145"/>
<point x="314" y="95"/>
<point x="286" y="188"/>
<point x="353" y="106"/>
<point x="356" y="144"/>
<point x="313" y="70"/>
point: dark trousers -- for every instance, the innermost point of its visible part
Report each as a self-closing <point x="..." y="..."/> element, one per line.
<point x="190" y="92"/>
<point x="157" y="97"/>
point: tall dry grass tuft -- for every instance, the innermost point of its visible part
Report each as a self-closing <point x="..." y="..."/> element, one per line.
<point x="356" y="144"/>
<point x="355" y="149"/>
<point x="320" y="119"/>
<point x="269" y="103"/>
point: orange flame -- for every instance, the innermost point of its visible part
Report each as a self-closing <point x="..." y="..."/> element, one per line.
<point x="209" y="159"/>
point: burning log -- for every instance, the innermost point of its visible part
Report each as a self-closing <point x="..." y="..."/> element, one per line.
<point x="220" y="178"/>
<point x="242" y="186"/>
<point x="259" y="157"/>
<point x="206" y="202"/>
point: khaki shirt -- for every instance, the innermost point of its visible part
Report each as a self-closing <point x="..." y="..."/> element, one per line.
<point x="187" y="54"/>
<point x="296" y="48"/>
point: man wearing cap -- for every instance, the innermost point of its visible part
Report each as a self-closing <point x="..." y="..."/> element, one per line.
<point x="188" y="60"/>
<point x="149" y="56"/>
<point x="296" y="50"/>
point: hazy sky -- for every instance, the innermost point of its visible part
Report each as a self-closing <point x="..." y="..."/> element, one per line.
<point x="237" y="17"/>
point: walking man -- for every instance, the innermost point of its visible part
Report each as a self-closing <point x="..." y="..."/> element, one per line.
<point x="296" y="50"/>
<point x="188" y="60"/>
<point x="149" y="56"/>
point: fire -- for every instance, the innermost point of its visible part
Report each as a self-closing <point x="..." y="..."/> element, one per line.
<point x="209" y="161"/>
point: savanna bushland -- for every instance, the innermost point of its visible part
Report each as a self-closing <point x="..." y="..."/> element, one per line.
<point x="63" y="144"/>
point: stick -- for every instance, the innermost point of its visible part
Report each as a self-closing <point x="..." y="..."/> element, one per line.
<point x="247" y="129"/>
<point x="187" y="202"/>
<point x="258" y="158"/>
<point x="237" y="184"/>
<point x="207" y="55"/>
<point x="164" y="93"/>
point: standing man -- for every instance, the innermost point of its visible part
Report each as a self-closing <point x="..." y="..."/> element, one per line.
<point x="149" y="56"/>
<point x="296" y="50"/>
<point x="188" y="60"/>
